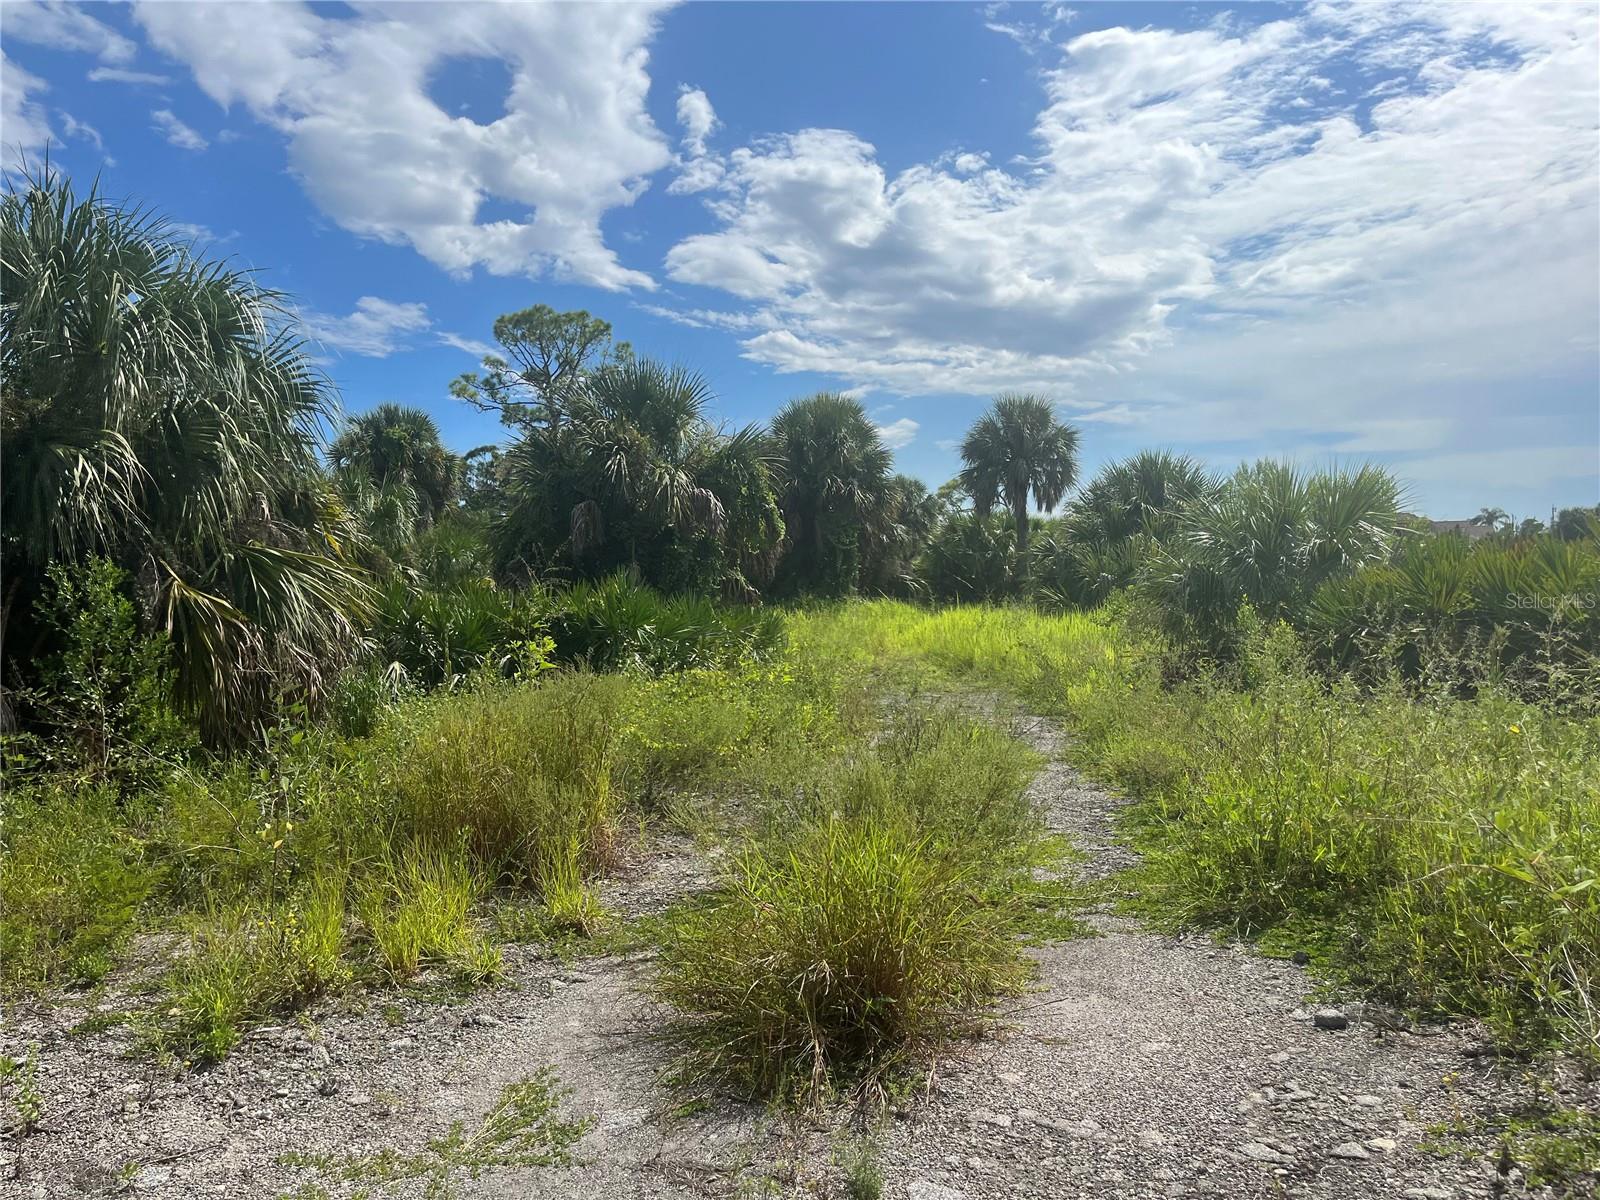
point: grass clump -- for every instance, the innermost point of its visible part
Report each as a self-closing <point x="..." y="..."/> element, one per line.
<point x="524" y="1128"/>
<point x="520" y="772"/>
<point x="832" y="959"/>
<point x="246" y="964"/>
<point x="417" y="910"/>
<point x="870" y="920"/>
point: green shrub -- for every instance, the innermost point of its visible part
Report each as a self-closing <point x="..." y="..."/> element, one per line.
<point x="103" y="703"/>
<point x="73" y="879"/>
<point x="1449" y="615"/>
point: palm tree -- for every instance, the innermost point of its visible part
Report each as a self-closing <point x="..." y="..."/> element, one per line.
<point x="833" y="472"/>
<point x="630" y="472"/>
<point x="160" y="411"/>
<point x="1141" y="494"/>
<point x="1492" y="517"/>
<point x="396" y="446"/>
<point x="1111" y="525"/>
<point x="1017" y="448"/>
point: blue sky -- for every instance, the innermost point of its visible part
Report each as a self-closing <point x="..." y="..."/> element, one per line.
<point x="1324" y="231"/>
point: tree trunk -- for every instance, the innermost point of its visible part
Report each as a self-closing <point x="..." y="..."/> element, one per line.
<point x="1019" y="513"/>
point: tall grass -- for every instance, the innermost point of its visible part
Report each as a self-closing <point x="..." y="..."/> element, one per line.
<point x="1439" y="853"/>
<point x="869" y="917"/>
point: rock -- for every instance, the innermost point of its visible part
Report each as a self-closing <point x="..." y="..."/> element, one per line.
<point x="1428" y="1193"/>
<point x="1330" y="1018"/>
<point x="327" y="1086"/>
<point x="1382" y="1145"/>
<point x="402" y="1043"/>
<point x="1152" y="1137"/>
<point x="1282" y="1056"/>
<point x="1301" y="958"/>
<point x="319" y="1056"/>
<point x="983" y="1116"/>
<point x="921" y="1189"/>
<point x="1351" y="1150"/>
<point x="481" y="1020"/>
<point x="1262" y="1152"/>
<point x="1370" y="1101"/>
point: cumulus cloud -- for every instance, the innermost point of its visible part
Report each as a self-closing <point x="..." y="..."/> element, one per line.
<point x="376" y="329"/>
<point x="899" y="434"/>
<point x="183" y="136"/>
<point x="374" y="152"/>
<point x="1319" y="264"/>
<point x="65" y="26"/>
<point x="698" y="170"/>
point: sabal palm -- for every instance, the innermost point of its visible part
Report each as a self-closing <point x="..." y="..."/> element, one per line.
<point x="395" y="446"/>
<point x="632" y="458"/>
<point x="158" y="410"/>
<point x="1140" y="494"/>
<point x="1016" y="449"/>
<point x="833" y="474"/>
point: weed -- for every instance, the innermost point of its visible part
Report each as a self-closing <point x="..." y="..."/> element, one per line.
<point x="863" y="1177"/>
<point x="21" y="1078"/>
<point x="524" y="1128"/>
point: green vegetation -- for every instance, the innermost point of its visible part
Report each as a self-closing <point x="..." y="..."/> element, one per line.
<point x="1440" y="852"/>
<point x="349" y="716"/>
<point x="524" y="1128"/>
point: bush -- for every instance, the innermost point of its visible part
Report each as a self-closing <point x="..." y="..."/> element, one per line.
<point x="617" y="624"/>
<point x="104" y="700"/>
<point x="1450" y="615"/>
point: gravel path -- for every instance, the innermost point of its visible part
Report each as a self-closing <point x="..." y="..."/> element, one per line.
<point x="1142" y="1066"/>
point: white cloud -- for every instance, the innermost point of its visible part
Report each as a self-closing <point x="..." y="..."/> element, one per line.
<point x="383" y="160"/>
<point x="64" y="26"/>
<point x="175" y="131"/>
<point x="119" y="75"/>
<point x="697" y="170"/>
<point x="1187" y="249"/>
<point x="376" y="329"/>
<point x="24" y="122"/>
<point x="899" y="434"/>
<point x="697" y="117"/>
<point x="191" y="232"/>
<point x="82" y="129"/>
<point x="471" y="345"/>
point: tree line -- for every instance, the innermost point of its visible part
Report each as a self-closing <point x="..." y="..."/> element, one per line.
<point x="163" y="416"/>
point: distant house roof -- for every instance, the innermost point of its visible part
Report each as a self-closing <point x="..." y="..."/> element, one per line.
<point x="1470" y="530"/>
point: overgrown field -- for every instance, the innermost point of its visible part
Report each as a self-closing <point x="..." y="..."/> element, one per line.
<point x="1439" y="853"/>
<point x="878" y="877"/>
